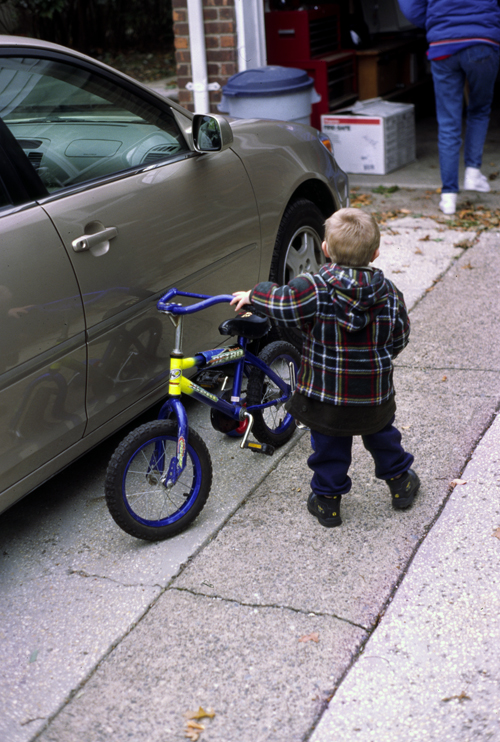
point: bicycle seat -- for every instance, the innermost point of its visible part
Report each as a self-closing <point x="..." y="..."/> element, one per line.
<point x="247" y="325"/>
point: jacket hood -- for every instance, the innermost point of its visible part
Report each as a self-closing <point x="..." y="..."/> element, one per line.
<point x="359" y="294"/>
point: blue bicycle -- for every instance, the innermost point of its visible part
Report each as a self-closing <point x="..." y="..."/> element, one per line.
<point x="159" y="478"/>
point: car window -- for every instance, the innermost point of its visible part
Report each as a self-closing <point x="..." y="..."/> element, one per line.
<point x="75" y="125"/>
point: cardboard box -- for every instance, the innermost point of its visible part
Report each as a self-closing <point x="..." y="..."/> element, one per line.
<point x="373" y="136"/>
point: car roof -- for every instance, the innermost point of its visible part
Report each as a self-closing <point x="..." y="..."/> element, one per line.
<point x="26" y="42"/>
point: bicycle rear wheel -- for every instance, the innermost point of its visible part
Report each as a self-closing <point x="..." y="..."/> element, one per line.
<point x="273" y="425"/>
<point x="136" y="497"/>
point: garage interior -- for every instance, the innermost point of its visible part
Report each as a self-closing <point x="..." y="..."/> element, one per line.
<point x="357" y="50"/>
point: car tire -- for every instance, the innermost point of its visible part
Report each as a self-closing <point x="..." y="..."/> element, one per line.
<point x="297" y="250"/>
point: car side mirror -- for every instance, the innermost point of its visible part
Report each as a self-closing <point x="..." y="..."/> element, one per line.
<point x="211" y="133"/>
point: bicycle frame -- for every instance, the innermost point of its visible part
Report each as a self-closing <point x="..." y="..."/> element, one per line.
<point x="179" y="384"/>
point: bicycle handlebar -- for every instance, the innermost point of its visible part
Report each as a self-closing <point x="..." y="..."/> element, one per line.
<point x="166" y="305"/>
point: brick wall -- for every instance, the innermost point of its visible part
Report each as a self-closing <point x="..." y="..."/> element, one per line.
<point x="221" y="47"/>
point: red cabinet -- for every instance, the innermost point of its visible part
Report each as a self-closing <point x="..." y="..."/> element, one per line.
<point x="310" y="40"/>
<point x="302" y="34"/>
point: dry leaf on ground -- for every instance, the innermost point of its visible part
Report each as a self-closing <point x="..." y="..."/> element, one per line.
<point x="385" y="215"/>
<point x="462" y="697"/>
<point x="194" y="725"/>
<point x="478" y="218"/>
<point x="361" y="199"/>
<point x="200" y="714"/>
<point x="314" y="637"/>
<point x="496" y="532"/>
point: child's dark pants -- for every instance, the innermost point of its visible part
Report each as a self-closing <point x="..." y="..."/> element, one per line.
<point x="331" y="459"/>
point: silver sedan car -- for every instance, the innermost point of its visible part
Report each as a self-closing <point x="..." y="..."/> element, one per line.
<point x="109" y="195"/>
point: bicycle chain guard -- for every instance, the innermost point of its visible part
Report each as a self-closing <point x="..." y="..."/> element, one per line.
<point x="224" y="423"/>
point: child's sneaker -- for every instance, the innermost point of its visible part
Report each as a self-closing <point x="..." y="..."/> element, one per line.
<point x="325" y="509"/>
<point x="474" y="180"/>
<point x="404" y="489"/>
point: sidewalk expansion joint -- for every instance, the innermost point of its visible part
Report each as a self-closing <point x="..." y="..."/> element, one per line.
<point x="89" y="575"/>
<point x="274" y="606"/>
<point x="473" y="369"/>
<point x="453" y="262"/>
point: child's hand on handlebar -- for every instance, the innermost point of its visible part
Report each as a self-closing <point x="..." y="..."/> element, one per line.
<point x="241" y="298"/>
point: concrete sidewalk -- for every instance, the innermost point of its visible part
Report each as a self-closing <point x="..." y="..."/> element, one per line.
<point x="385" y="628"/>
<point x="431" y="670"/>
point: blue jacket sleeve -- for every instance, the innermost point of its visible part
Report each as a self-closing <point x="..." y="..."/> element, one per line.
<point x="415" y="11"/>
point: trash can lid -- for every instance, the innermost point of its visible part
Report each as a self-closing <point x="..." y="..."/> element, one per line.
<point x="272" y="80"/>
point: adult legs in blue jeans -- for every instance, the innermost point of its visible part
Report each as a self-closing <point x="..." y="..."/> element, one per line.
<point x="332" y="457"/>
<point x="481" y="69"/>
<point x="479" y="64"/>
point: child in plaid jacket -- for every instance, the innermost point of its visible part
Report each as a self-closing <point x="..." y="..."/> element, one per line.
<point x="353" y="322"/>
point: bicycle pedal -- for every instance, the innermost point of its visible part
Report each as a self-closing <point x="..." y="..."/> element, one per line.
<point x="210" y="379"/>
<point x="261" y="448"/>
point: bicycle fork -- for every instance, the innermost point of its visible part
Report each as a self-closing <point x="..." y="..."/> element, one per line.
<point x="157" y="464"/>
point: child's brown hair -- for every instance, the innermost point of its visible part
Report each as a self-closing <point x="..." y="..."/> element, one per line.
<point x="352" y="237"/>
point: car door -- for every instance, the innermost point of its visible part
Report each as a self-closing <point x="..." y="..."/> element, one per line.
<point x="137" y="210"/>
<point x="42" y="337"/>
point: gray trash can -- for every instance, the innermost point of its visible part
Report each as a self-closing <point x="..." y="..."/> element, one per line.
<point x="283" y="93"/>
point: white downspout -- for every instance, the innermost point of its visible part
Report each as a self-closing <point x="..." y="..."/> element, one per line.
<point x="199" y="85"/>
<point x="250" y="28"/>
<point x="240" y="33"/>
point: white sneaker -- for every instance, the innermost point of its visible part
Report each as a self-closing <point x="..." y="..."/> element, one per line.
<point x="448" y="203"/>
<point x="474" y="180"/>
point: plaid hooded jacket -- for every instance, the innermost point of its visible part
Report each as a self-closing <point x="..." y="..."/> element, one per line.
<point x="354" y="322"/>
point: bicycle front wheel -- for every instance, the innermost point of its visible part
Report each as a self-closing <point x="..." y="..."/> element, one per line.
<point x="136" y="495"/>
<point x="273" y="425"/>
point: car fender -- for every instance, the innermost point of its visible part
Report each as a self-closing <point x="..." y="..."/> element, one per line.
<point x="287" y="161"/>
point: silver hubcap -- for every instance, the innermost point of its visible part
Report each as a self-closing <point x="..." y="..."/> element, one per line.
<point x="304" y="254"/>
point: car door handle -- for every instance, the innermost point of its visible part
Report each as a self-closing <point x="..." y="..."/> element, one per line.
<point x="86" y="241"/>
